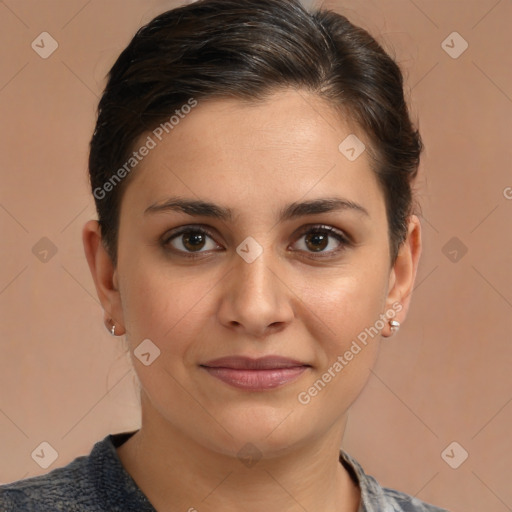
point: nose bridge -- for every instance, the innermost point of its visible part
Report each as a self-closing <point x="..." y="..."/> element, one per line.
<point x="255" y="298"/>
<point x="253" y="274"/>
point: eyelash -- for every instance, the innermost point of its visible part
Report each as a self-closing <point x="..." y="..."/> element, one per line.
<point x="316" y="229"/>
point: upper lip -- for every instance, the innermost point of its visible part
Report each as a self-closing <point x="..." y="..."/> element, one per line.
<point x="248" y="363"/>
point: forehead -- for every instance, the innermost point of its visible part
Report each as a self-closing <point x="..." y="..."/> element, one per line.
<point x="247" y="155"/>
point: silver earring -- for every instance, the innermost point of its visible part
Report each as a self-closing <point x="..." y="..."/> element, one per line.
<point x="113" y="330"/>
<point x="394" y="326"/>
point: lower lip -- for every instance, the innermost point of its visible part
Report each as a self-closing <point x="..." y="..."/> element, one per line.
<point x="256" y="379"/>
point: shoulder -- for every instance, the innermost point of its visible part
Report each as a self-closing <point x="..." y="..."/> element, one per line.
<point x="60" y="489"/>
<point x="406" y="503"/>
<point x="375" y="498"/>
<point x="96" y="482"/>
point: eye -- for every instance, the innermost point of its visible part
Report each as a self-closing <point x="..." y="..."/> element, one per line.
<point x="318" y="238"/>
<point x="190" y="240"/>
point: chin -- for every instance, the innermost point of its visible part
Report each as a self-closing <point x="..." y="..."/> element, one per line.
<point x="271" y="431"/>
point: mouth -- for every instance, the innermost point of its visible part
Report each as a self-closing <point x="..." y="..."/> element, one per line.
<point x="255" y="374"/>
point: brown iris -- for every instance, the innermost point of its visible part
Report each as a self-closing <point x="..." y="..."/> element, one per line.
<point x="316" y="238"/>
<point x="193" y="241"/>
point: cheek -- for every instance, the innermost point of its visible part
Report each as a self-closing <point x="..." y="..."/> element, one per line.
<point x="165" y="304"/>
<point x="346" y="301"/>
<point x="347" y="312"/>
<point x="349" y="304"/>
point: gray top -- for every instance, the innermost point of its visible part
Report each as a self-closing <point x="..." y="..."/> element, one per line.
<point x="98" y="482"/>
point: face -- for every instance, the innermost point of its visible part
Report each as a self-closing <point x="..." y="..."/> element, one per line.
<point x="257" y="275"/>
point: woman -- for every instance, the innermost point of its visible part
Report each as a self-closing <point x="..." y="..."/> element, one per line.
<point x="252" y="168"/>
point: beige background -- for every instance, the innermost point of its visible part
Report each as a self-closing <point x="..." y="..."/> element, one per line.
<point x="445" y="377"/>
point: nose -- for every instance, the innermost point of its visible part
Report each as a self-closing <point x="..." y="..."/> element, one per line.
<point x="255" y="299"/>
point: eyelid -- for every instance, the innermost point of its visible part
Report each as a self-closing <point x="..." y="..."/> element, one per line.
<point x="199" y="228"/>
<point x="329" y="229"/>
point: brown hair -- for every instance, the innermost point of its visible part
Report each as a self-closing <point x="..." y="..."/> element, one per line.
<point x="248" y="49"/>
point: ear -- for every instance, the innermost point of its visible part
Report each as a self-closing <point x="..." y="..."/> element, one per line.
<point x="104" y="275"/>
<point x="403" y="273"/>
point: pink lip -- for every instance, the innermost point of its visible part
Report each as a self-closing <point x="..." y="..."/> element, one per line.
<point x="255" y="374"/>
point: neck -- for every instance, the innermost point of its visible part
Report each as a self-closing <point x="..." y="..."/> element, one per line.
<point x="177" y="473"/>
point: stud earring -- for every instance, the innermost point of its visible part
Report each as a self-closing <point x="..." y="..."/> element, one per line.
<point x="112" y="329"/>
<point x="394" y="326"/>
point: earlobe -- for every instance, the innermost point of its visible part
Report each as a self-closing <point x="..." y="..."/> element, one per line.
<point x="403" y="274"/>
<point x="104" y="275"/>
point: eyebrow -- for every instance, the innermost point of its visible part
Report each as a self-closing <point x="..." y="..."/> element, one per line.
<point x="289" y="212"/>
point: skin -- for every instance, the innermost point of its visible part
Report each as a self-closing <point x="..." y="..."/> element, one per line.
<point x="254" y="159"/>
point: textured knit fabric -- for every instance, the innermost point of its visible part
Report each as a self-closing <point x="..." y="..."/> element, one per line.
<point x="98" y="482"/>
